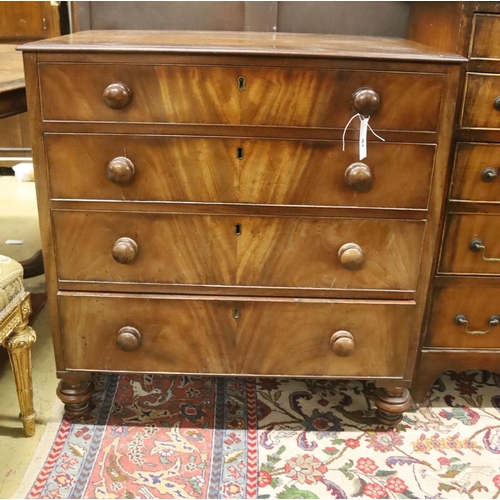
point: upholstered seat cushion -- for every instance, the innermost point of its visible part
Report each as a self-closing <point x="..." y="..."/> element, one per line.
<point x="11" y="282"/>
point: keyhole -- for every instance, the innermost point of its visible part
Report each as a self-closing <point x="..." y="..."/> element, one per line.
<point x="241" y="83"/>
<point x="240" y="153"/>
<point x="236" y="313"/>
<point x="237" y="229"/>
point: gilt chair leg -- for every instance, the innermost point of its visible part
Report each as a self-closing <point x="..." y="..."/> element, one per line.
<point x="19" y="345"/>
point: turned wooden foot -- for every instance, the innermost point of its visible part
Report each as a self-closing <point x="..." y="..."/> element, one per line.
<point x="18" y="345"/>
<point x="391" y="403"/>
<point x="75" y="393"/>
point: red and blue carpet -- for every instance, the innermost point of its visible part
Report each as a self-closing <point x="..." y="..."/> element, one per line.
<point x="200" y="437"/>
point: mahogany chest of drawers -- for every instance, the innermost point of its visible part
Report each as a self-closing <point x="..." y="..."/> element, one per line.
<point x="200" y="215"/>
<point x="462" y="329"/>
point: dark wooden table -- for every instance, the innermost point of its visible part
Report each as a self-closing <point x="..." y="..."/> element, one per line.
<point x="12" y="88"/>
<point x="13" y="102"/>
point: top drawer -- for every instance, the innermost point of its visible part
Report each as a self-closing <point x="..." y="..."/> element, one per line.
<point x="485" y="43"/>
<point x="212" y="95"/>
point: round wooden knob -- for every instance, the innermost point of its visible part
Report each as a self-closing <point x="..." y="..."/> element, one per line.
<point x="120" y="170"/>
<point x="365" y="101"/>
<point x="351" y="256"/>
<point x="359" y="177"/>
<point x="342" y="343"/>
<point x="125" y="250"/>
<point x="117" y="95"/>
<point x="128" y="338"/>
<point x="496" y="103"/>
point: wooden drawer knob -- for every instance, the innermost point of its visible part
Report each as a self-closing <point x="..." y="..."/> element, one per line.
<point x="351" y="256"/>
<point x="365" y="101"/>
<point x="120" y="170"/>
<point x="129" y="338"/>
<point x="359" y="177"/>
<point x="117" y="95"/>
<point x="496" y="103"/>
<point x="342" y="343"/>
<point x="125" y="250"/>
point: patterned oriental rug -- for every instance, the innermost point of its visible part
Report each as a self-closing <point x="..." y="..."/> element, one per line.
<point x="200" y="437"/>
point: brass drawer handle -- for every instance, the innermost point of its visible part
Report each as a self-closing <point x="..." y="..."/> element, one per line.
<point x="489" y="174"/>
<point x="461" y="319"/>
<point x="359" y="177"/>
<point x="117" y="95"/>
<point x="342" y="343"/>
<point x="496" y="103"/>
<point x="128" y="339"/>
<point x="365" y="101"/>
<point x="476" y="245"/>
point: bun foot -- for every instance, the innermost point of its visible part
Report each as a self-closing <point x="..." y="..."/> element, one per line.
<point x="391" y="403"/>
<point x="76" y="395"/>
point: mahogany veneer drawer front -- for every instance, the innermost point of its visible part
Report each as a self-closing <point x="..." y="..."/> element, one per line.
<point x="303" y="252"/>
<point x="238" y="170"/>
<point x="481" y="105"/>
<point x="471" y="244"/>
<point x="210" y="95"/>
<point x="485" y="43"/>
<point x="193" y="335"/>
<point x="466" y="317"/>
<point x="476" y="172"/>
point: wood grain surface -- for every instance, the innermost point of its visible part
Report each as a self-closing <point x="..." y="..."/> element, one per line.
<point x="210" y="170"/>
<point x="270" y="251"/>
<point x="481" y="90"/>
<point x="270" y="337"/>
<point x="241" y="43"/>
<point x="461" y="229"/>
<point x="485" y="43"/>
<point x="287" y="97"/>
<point x="470" y="162"/>
<point x="477" y="303"/>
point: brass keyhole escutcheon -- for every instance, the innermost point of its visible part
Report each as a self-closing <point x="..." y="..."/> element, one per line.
<point x="241" y="83"/>
<point x="240" y="153"/>
<point x="237" y="229"/>
<point x="236" y="313"/>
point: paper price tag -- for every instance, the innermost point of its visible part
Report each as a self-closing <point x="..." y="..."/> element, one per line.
<point x="363" y="132"/>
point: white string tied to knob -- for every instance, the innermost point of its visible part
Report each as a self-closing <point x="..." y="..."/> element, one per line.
<point x="363" y="132"/>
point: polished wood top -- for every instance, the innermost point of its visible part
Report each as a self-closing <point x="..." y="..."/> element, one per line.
<point x="12" y="86"/>
<point x="247" y="43"/>
<point x="11" y="69"/>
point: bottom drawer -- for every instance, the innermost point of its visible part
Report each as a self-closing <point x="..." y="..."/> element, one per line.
<point x="477" y="305"/>
<point x="281" y="337"/>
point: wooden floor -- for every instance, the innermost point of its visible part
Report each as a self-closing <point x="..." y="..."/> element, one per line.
<point x="18" y="220"/>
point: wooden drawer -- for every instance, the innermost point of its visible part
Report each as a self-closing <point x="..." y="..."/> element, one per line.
<point x="481" y="91"/>
<point x="478" y="305"/>
<point x="457" y="255"/>
<point x="210" y="95"/>
<point x="270" y="337"/>
<point x="297" y="252"/>
<point x="476" y="166"/>
<point x="485" y="42"/>
<point x="237" y="171"/>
